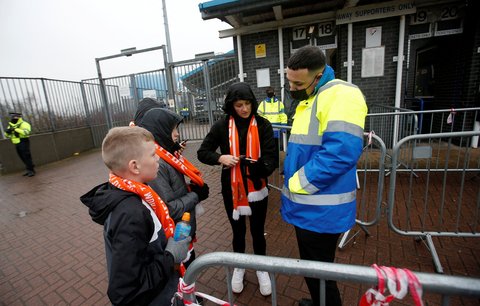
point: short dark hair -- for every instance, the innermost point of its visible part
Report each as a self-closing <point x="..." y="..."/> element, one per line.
<point x="307" y="57"/>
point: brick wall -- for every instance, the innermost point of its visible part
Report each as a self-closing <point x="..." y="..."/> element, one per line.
<point x="378" y="90"/>
<point x="271" y="61"/>
<point x="457" y="77"/>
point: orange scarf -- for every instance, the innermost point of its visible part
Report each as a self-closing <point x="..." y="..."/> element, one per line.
<point x="240" y="197"/>
<point x="151" y="197"/>
<point x="181" y="164"/>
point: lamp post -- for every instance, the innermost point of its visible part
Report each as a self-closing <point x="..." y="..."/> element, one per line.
<point x="124" y="52"/>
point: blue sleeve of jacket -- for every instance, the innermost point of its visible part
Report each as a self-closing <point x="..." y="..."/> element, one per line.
<point x="338" y="154"/>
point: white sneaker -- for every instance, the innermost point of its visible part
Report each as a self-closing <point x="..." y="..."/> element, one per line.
<point x="237" y="280"/>
<point x="264" y="283"/>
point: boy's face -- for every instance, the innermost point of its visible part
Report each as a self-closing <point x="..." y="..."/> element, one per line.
<point x="148" y="162"/>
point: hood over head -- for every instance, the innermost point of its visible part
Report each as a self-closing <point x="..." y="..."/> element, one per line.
<point x="144" y="106"/>
<point x="161" y="122"/>
<point x="239" y="91"/>
<point x="102" y="199"/>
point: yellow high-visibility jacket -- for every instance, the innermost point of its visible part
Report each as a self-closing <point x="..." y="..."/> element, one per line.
<point x="273" y="110"/>
<point x="21" y="129"/>
<point x="325" y="144"/>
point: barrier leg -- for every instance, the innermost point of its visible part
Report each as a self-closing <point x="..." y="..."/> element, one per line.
<point x="229" y="275"/>
<point x="427" y="239"/>
<point x="344" y="241"/>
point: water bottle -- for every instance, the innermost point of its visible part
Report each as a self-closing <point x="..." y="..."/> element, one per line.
<point x="182" y="228"/>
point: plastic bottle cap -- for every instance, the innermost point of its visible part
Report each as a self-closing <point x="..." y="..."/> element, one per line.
<point x="186" y="216"/>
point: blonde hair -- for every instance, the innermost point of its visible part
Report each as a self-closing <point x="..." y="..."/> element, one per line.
<point x="123" y="144"/>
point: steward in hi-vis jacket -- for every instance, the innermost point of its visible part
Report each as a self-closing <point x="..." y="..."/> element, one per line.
<point x="272" y="109"/>
<point x="18" y="131"/>
<point x="326" y="141"/>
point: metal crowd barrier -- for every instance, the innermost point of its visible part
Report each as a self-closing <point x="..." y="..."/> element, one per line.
<point x="448" y="204"/>
<point x="446" y="286"/>
<point x="370" y="179"/>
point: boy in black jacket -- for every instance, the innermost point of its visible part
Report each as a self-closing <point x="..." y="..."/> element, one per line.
<point x="138" y="231"/>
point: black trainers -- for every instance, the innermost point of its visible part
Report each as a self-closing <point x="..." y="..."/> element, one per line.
<point x="30" y="173"/>
<point x="305" y="302"/>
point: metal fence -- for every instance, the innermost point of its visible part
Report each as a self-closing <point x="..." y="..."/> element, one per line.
<point x="445" y="286"/>
<point x="55" y="105"/>
<point x="435" y="175"/>
<point x="440" y="196"/>
<point x="200" y="88"/>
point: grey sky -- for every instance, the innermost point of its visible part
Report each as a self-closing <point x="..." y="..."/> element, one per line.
<point x="60" y="39"/>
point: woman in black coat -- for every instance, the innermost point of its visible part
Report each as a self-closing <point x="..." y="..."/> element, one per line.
<point x="247" y="155"/>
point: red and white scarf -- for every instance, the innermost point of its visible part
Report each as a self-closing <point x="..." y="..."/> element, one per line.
<point x="240" y="197"/>
<point x="148" y="195"/>
<point x="181" y="164"/>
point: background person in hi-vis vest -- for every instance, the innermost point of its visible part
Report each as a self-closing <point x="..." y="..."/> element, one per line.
<point x="326" y="140"/>
<point x="18" y="131"/>
<point x="272" y="109"/>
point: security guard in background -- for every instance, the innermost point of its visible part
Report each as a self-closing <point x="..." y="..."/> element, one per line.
<point x="18" y="132"/>
<point x="326" y="141"/>
<point x="273" y="110"/>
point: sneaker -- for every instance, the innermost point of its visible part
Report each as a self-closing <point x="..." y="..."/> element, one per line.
<point x="30" y="173"/>
<point x="237" y="280"/>
<point x="264" y="283"/>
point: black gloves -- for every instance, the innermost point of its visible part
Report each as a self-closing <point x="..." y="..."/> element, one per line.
<point x="202" y="192"/>
<point x="256" y="169"/>
<point x="10" y="130"/>
<point x="178" y="249"/>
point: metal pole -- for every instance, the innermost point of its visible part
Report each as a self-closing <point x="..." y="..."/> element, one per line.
<point x="167" y="32"/>
<point x="398" y="89"/>
<point x="206" y="78"/>
<point x="103" y="92"/>
<point x="168" y="72"/>
<point x="50" y="114"/>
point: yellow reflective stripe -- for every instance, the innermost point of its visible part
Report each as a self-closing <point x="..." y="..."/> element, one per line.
<point x="295" y="185"/>
<point x="320" y="199"/>
<point x="343" y="126"/>
<point x="306" y="185"/>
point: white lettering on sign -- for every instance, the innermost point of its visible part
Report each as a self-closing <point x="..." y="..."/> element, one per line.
<point x="376" y="11"/>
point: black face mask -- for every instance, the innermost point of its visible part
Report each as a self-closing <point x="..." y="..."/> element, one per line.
<point x="14" y="120"/>
<point x="270" y="94"/>
<point x="301" y="94"/>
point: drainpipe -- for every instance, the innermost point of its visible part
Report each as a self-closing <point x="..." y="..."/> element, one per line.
<point x="240" y="58"/>
<point x="282" y="64"/>
<point x="398" y="89"/>
<point x="349" y="53"/>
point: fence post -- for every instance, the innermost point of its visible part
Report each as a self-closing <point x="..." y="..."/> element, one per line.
<point x="133" y="84"/>
<point x="103" y="91"/>
<point x="206" y="77"/>
<point x="168" y="71"/>
<point x="50" y="114"/>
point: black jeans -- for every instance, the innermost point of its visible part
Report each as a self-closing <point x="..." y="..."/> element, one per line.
<point x="319" y="247"/>
<point x="257" y="226"/>
<point x="23" y="151"/>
